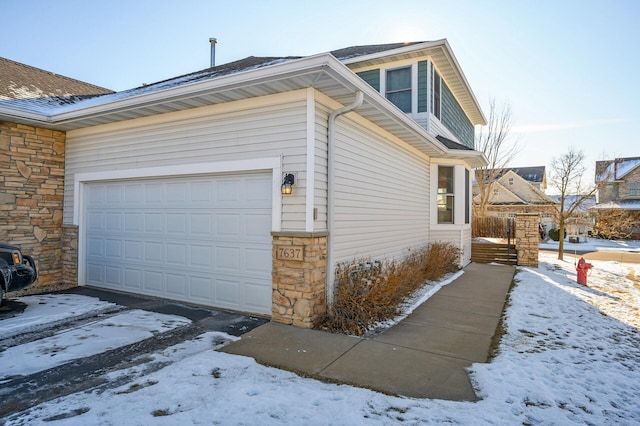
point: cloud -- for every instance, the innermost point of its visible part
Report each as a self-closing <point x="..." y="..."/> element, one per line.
<point x="539" y="128"/>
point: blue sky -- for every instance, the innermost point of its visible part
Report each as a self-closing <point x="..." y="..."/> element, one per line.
<point x="567" y="67"/>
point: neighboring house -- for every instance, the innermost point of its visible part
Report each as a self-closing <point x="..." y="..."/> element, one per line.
<point x="519" y="190"/>
<point x="619" y="192"/>
<point x="177" y="189"/>
<point x="582" y="221"/>
<point x="32" y="163"/>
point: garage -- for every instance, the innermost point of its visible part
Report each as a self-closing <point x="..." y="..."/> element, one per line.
<point x="203" y="239"/>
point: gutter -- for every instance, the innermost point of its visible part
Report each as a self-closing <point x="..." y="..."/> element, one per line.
<point x="331" y="125"/>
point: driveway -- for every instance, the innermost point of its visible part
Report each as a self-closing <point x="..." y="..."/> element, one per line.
<point x="61" y="343"/>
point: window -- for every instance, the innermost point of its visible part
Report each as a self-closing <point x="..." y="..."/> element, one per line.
<point x="634" y="189"/>
<point x="445" y="194"/>
<point x="436" y="94"/>
<point x="398" y="89"/>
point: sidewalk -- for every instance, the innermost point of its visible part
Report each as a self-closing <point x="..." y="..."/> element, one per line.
<point x="424" y="356"/>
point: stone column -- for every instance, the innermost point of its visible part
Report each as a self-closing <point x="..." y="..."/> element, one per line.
<point x="70" y="255"/>
<point x="527" y="239"/>
<point x="299" y="277"/>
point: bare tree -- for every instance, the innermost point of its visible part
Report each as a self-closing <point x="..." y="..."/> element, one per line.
<point x="567" y="172"/>
<point x="495" y="141"/>
<point x="616" y="223"/>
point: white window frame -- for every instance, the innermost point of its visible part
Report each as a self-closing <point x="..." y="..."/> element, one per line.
<point x="458" y="193"/>
<point x="414" y="81"/>
<point x="448" y="195"/>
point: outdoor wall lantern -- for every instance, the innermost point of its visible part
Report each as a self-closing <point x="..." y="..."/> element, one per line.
<point x="287" y="184"/>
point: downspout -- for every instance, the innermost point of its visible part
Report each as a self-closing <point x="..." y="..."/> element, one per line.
<point x="331" y="125"/>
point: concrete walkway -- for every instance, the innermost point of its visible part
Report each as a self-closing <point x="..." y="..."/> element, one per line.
<point x="424" y="356"/>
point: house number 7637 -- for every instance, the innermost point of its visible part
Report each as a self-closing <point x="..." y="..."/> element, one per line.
<point x="290" y="253"/>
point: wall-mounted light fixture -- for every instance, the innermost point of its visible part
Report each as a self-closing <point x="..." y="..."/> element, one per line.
<point x="287" y="184"/>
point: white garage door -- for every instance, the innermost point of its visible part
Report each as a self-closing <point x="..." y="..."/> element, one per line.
<point x="204" y="240"/>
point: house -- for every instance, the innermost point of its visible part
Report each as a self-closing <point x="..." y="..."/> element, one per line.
<point x="518" y="190"/>
<point x="32" y="162"/>
<point x="618" y="196"/>
<point x="242" y="186"/>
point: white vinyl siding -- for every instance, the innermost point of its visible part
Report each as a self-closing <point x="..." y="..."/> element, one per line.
<point x="381" y="195"/>
<point x="460" y="237"/>
<point x="269" y="126"/>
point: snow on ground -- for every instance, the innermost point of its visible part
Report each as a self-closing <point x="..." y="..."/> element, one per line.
<point x="594" y="244"/>
<point x="86" y="340"/>
<point x="570" y="355"/>
<point x="48" y="309"/>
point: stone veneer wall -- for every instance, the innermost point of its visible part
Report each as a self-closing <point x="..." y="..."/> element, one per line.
<point x="299" y="285"/>
<point x="70" y="254"/>
<point x="31" y="195"/>
<point x="527" y="239"/>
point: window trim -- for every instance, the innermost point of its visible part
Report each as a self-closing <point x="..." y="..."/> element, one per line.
<point x="448" y="196"/>
<point x="411" y="90"/>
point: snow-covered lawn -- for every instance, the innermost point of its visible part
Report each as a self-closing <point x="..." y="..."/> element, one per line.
<point x="594" y="244"/>
<point x="570" y="355"/>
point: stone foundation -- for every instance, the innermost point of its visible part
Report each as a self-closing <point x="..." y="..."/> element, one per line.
<point x="299" y="277"/>
<point x="527" y="239"/>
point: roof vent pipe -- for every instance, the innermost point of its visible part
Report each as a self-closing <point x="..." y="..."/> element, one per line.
<point x="213" y="42"/>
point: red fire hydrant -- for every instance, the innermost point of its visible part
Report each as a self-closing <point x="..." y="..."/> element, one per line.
<point x="582" y="269"/>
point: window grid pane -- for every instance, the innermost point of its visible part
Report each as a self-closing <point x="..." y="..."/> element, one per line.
<point x="446" y="196"/>
<point x="398" y="88"/>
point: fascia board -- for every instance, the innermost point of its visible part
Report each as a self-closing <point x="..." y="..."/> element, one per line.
<point x="16" y="114"/>
<point x="242" y="78"/>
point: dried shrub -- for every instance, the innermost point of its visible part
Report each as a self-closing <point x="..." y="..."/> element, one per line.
<point x="370" y="292"/>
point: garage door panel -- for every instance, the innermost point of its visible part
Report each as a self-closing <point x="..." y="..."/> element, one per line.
<point x="256" y="262"/>
<point x="228" y="293"/>
<point x="152" y="281"/>
<point x="177" y="254"/>
<point x="204" y="240"/>
<point x="113" y="276"/>
<point x="132" y="279"/>
<point x="176" y="285"/>
<point x="201" y="289"/>
<point x="255" y="293"/>
<point x="228" y="259"/>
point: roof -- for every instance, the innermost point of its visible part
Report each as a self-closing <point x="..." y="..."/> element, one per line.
<point x="622" y="205"/>
<point x="248" y="78"/>
<point x="452" y="144"/>
<point x="617" y="169"/>
<point x="20" y="81"/>
<point x="571" y="199"/>
<point x="535" y="174"/>
<point x="357" y="51"/>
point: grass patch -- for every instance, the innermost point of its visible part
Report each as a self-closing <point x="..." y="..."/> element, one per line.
<point x="368" y="292"/>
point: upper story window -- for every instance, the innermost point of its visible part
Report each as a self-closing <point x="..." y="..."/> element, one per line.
<point x="398" y="88"/>
<point x="436" y="93"/>
<point x="634" y="189"/>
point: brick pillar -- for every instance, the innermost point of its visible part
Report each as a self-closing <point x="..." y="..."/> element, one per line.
<point x="527" y="239"/>
<point x="299" y="277"/>
<point x="70" y="255"/>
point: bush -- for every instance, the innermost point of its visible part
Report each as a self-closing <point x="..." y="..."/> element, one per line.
<point x="554" y="234"/>
<point x="370" y="292"/>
